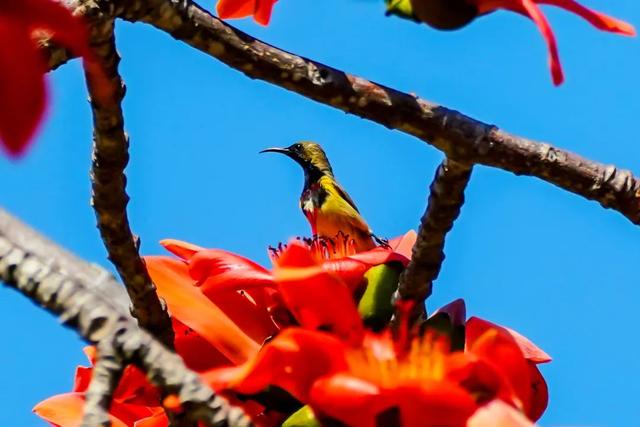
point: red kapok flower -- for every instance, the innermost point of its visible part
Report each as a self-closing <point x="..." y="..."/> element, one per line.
<point x="135" y="400"/>
<point x="420" y="381"/>
<point x="259" y="9"/>
<point x="23" y="88"/>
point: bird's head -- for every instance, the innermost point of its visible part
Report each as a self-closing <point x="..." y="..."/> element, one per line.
<point x="309" y="155"/>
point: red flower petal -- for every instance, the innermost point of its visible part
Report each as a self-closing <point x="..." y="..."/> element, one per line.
<point x="158" y="420"/>
<point x="22" y="86"/>
<point x="82" y="379"/>
<point x="67" y="410"/>
<point x="476" y="327"/>
<point x="539" y="393"/>
<point x="501" y="352"/>
<point x="534" y="12"/>
<point x="498" y="414"/>
<point x="599" y="20"/>
<point x="195" y="310"/>
<point x="184" y="250"/>
<point x="198" y="354"/>
<point x="317" y="299"/>
<point x="404" y="244"/>
<point x="359" y="403"/>
<point x="252" y="319"/>
<point x="456" y="310"/>
<point x="53" y="17"/>
<point x="260" y="9"/>
<point x="293" y="360"/>
<point x="530" y="9"/>
<point x="217" y="270"/>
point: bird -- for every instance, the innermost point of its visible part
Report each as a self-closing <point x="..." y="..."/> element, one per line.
<point x="330" y="210"/>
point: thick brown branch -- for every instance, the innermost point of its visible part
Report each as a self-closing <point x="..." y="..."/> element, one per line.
<point x="457" y="135"/>
<point x="110" y="157"/>
<point x="105" y="377"/>
<point x="34" y="273"/>
<point x="97" y="279"/>
<point x="445" y="200"/>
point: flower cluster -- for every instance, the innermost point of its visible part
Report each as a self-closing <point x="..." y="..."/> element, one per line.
<point x="292" y="345"/>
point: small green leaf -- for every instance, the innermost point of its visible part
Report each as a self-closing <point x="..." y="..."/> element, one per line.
<point x="375" y="305"/>
<point x="303" y="417"/>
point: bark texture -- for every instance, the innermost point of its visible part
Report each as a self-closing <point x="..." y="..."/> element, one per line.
<point x="110" y="199"/>
<point x="445" y="201"/>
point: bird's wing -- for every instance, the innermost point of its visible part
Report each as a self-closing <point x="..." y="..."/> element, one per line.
<point x="353" y="218"/>
<point x="342" y="193"/>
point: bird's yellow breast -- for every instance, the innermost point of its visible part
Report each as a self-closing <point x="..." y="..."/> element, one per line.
<point x="330" y="213"/>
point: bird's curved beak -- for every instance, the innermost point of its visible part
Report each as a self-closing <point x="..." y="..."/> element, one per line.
<point x="284" y="151"/>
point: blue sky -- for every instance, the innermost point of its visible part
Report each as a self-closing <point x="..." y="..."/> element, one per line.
<point x="557" y="268"/>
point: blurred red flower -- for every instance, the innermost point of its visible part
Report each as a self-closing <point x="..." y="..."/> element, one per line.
<point x="259" y="9"/>
<point x="23" y="89"/>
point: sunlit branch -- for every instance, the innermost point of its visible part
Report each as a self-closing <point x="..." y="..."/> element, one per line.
<point x="110" y="199"/>
<point x="106" y="374"/>
<point x="458" y="136"/>
<point x="35" y="272"/>
<point x="445" y="201"/>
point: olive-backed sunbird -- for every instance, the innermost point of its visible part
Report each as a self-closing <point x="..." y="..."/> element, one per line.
<point x="326" y="205"/>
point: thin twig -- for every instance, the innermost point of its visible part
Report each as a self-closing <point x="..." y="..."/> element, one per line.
<point x="106" y="374"/>
<point x="110" y="199"/>
<point x="96" y="320"/>
<point x="445" y="201"/>
<point x="458" y="136"/>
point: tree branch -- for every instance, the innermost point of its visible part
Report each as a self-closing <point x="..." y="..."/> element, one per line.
<point x="97" y="279"/>
<point x="110" y="199"/>
<point x="445" y="201"/>
<point x="458" y="136"/>
<point x="106" y="375"/>
<point x="34" y="273"/>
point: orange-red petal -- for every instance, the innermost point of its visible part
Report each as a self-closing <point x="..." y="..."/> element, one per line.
<point x="317" y="299"/>
<point x="359" y="403"/>
<point x="599" y="20"/>
<point x="293" y="361"/>
<point x="22" y="85"/>
<point x="195" y="310"/>
<point x="502" y="354"/>
<point x="181" y="249"/>
<point x="216" y="270"/>
<point x="260" y="9"/>
<point x="476" y="327"/>
<point x="66" y="410"/>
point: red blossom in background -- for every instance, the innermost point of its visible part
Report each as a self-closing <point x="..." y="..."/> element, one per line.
<point x="530" y="9"/>
<point x="259" y="9"/>
<point x="135" y="402"/>
<point x="23" y="88"/>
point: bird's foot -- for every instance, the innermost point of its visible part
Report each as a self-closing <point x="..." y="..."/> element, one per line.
<point x="381" y="241"/>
